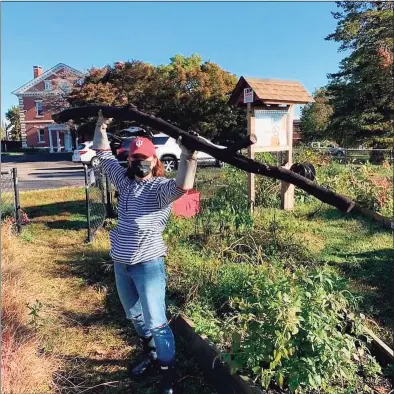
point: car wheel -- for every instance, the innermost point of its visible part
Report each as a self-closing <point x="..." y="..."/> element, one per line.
<point x="219" y="164"/>
<point x="169" y="163"/>
<point x="95" y="162"/>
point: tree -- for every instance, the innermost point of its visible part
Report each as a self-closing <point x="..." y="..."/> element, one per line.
<point x="188" y="92"/>
<point x="315" y="117"/>
<point x="361" y="92"/>
<point x="14" y="126"/>
<point x="193" y="95"/>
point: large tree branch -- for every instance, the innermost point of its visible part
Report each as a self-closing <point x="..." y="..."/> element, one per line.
<point x="225" y="155"/>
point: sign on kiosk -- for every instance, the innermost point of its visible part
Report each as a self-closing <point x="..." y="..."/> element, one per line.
<point x="248" y="95"/>
<point x="270" y="128"/>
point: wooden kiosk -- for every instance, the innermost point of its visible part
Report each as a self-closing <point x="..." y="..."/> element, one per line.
<point x="270" y="106"/>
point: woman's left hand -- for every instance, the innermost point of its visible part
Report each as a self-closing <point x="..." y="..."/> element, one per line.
<point x="190" y="154"/>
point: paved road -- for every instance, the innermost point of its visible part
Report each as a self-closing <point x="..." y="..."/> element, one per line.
<point x="35" y="175"/>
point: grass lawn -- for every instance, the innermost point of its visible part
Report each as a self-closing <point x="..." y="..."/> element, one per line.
<point x="81" y="320"/>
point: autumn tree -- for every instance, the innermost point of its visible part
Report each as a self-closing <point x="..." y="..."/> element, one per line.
<point x="14" y="125"/>
<point x="187" y="92"/>
<point x="361" y="92"/>
<point x="315" y="117"/>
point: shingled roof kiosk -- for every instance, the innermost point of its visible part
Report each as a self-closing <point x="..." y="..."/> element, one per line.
<point x="270" y="106"/>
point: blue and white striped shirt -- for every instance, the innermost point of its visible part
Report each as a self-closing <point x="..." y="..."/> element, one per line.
<point x="144" y="208"/>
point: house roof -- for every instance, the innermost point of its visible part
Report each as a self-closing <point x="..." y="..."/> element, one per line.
<point x="44" y="76"/>
<point x="271" y="90"/>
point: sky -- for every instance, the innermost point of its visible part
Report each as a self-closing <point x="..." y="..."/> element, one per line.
<point x="266" y="39"/>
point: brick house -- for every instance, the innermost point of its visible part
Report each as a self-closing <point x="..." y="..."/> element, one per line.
<point x="297" y="131"/>
<point x="37" y="99"/>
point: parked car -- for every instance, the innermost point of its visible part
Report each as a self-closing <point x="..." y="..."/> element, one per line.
<point x="330" y="147"/>
<point x="167" y="151"/>
<point x="117" y="137"/>
<point x="335" y="150"/>
<point x="123" y="151"/>
<point x="85" y="154"/>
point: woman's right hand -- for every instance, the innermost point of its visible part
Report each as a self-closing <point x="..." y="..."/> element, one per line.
<point x="101" y="120"/>
<point x="100" y="138"/>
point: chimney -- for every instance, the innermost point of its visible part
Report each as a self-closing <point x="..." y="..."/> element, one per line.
<point x="37" y="71"/>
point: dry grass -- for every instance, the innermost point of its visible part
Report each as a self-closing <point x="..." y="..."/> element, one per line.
<point x="23" y="369"/>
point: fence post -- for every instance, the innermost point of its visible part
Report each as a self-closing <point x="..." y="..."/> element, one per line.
<point x="109" y="209"/>
<point x="87" y="202"/>
<point x="16" y="198"/>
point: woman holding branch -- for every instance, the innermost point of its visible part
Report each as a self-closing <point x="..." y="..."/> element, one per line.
<point x="137" y="246"/>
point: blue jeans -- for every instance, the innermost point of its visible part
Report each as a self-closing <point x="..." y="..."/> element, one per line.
<point x="141" y="289"/>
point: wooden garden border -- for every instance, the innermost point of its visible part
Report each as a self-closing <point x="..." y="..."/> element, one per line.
<point x="207" y="356"/>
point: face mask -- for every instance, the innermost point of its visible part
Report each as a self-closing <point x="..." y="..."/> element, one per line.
<point x="141" y="168"/>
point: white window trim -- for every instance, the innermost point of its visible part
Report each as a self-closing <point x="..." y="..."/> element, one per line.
<point x="48" y="85"/>
<point x="40" y="141"/>
<point x="37" y="115"/>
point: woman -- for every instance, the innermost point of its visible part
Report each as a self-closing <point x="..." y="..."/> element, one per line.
<point x="137" y="246"/>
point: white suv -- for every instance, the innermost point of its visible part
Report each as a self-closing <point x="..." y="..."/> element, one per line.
<point x="85" y="154"/>
<point x="169" y="152"/>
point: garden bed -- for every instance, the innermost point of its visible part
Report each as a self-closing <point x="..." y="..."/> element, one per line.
<point x="219" y="373"/>
<point x="285" y="295"/>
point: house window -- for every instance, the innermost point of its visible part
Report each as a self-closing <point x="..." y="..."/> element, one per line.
<point x="48" y="85"/>
<point x="65" y="87"/>
<point x="41" y="135"/>
<point x="39" y="110"/>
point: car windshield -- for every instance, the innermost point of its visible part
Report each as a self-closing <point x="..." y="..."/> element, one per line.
<point x="127" y="142"/>
<point x="159" y="140"/>
<point x="81" y="146"/>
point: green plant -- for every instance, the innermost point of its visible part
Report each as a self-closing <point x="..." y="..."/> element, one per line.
<point x="283" y="323"/>
<point x="290" y="330"/>
<point x="228" y="207"/>
<point x="34" y="313"/>
<point x="26" y="235"/>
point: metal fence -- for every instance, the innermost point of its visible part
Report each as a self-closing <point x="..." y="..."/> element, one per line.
<point x="100" y="199"/>
<point x="10" y="203"/>
<point x="358" y="156"/>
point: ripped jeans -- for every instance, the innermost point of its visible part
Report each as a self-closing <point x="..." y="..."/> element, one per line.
<point x="141" y="289"/>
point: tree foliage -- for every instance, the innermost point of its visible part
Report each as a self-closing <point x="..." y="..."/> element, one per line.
<point x="187" y="92"/>
<point x="14" y="126"/>
<point x="361" y="92"/>
<point x="315" y="117"/>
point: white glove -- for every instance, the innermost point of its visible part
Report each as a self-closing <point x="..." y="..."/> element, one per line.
<point x="100" y="139"/>
<point x="187" y="167"/>
<point x="186" y="152"/>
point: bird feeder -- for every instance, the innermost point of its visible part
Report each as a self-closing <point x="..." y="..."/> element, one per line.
<point x="270" y="111"/>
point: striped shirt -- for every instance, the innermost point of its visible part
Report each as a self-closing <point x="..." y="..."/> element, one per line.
<point x="144" y="208"/>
